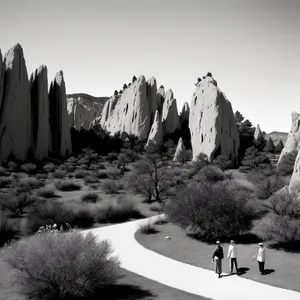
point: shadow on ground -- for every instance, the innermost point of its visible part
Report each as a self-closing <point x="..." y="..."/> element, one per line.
<point x="122" y="292"/>
<point x="243" y="270"/>
<point x="269" y="271"/>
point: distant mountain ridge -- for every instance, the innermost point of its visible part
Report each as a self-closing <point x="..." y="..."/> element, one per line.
<point x="276" y="136"/>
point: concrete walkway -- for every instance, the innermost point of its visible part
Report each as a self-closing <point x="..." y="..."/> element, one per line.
<point x="194" y="280"/>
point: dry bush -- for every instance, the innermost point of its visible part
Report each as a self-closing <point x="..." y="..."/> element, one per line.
<point x="16" y="204"/>
<point x="67" y="185"/>
<point x="41" y="176"/>
<point x="110" y="186"/>
<point x="113" y="173"/>
<point x="80" y="173"/>
<point x="59" y="174"/>
<point x="210" y="173"/>
<point x="90" y="179"/>
<point x="29" y="168"/>
<point x="121" y="210"/>
<point x="29" y="183"/>
<point x="8" y="230"/>
<point x="2" y="171"/>
<point x="90" y="197"/>
<point x="212" y="210"/>
<point x="156" y="207"/>
<point x="161" y="220"/>
<point x="12" y="166"/>
<point x="5" y="181"/>
<point x="147" y="227"/>
<point x="46" y="192"/>
<point x="57" y="265"/>
<point x="49" y="167"/>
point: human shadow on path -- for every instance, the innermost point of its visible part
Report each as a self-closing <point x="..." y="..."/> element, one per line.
<point x="269" y="271"/>
<point x="243" y="270"/>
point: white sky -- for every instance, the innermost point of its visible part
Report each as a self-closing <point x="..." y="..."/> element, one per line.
<point x="251" y="47"/>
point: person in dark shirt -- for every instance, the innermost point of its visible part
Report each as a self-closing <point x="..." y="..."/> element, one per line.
<point x="217" y="257"/>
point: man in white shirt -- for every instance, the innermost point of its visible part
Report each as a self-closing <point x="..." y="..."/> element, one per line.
<point x="232" y="255"/>
<point x="261" y="256"/>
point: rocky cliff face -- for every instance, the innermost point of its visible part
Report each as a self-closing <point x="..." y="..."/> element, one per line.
<point x="185" y="114"/>
<point x="277" y="136"/>
<point x="15" y="111"/>
<point x="130" y="112"/>
<point x="1" y="77"/>
<point x="59" y="127"/>
<point x="83" y="109"/>
<point x="179" y="150"/>
<point x="170" y="117"/>
<point x="156" y="133"/>
<point x="212" y="123"/>
<point x="40" y="112"/>
<point x="293" y="138"/>
<point x="258" y="135"/>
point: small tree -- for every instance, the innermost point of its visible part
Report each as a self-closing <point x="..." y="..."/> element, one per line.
<point x="255" y="159"/>
<point x="120" y="92"/>
<point x="91" y="155"/>
<point x="125" y="86"/>
<point x="279" y="147"/>
<point x="238" y="117"/>
<point x="116" y="93"/>
<point x="209" y="74"/>
<point x="269" y="146"/>
<point x="134" y="79"/>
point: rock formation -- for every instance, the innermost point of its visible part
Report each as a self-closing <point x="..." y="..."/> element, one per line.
<point x="258" y="135"/>
<point x="185" y="114"/>
<point x="15" y="111"/>
<point x="179" y="151"/>
<point x="277" y="136"/>
<point x="83" y="109"/>
<point x="160" y="95"/>
<point x="156" y="134"/>
<point x="170" y="117"/>
<point x="293" y="138"/>
<point x="212" y="123"/>
<point x="295" y="179"/>
<point x="130" y="112"/>
<point x="151" y="97"/>
<point x="40" y="112"/>
<point x="59" y="127"/>
<point x="1" y="77"/>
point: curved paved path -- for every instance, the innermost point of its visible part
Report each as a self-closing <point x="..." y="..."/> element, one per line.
<point x="188" y="278"/>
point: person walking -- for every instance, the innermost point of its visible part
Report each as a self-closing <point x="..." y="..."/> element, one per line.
<point x="217" y="256"/>
<point x="261" y="256"/>
<point x="232" y="255"/>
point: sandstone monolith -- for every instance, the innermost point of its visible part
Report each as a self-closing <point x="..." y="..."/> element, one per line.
<point x="156" y="135"/>
<point x="180" y="151"/>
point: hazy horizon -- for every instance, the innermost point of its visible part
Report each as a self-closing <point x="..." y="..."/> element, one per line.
<point x="251" y="48"/>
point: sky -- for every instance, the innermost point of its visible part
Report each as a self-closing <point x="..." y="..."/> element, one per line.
<point x="252" y="48"/>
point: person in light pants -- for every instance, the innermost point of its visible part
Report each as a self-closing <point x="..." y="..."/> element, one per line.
<point x="261" y="256"/>
<point x="232" y="255"/>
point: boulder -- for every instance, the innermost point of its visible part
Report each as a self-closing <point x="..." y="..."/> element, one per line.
<point x="293" y="138"/>
<point x="15" y="112"/>
<point x="40" y="112"/>
<point x="212" y="123"/>
<point x="129" y="111"/>
<point x="170" y="117"/>
<point x="179" y="151"/>
<point x="58" y="117"/>
<point x="156" y="134"/>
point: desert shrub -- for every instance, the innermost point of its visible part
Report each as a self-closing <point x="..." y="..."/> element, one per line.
<point x="8" y="230"/>
<point x="122" y="210"/>
<point x="82" y="217"/>
<point x="67" y="185"/>
<point x="59" y="174"/>
<point x="80" y="173"/>
<point x="2" y="171"/>
<point x="200" y="162"/>
<point x="156" y="207"/>
<point x="268" y="186"/>
<point x="147" y="227"/>
<point x="12" y="166"/>
<point x="269" y="147"/>
<point x="48" y="212"/>
<point x="49" y="167"/>
<point x="102" y="174"/>
<point x="110" y="186"/>
<point x="211" y="211"/>
<point x="211" y="173"/>
<point x="29" y="183"/>
<point x="29" y="168"/>
<point x="46" y="192"/>
<point x="90" y="179"/>
<point x="161" y="220"/>
<point x="16" y="204"/>
<point x="41" y="176"/>
<point x="57" y="265"/>
<point x="4" y="182"/>
<point x="90" y="197"/>
<point x="286" y="164"/>
<point x="113" y="173"/>
<point x="223" y="162"/>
